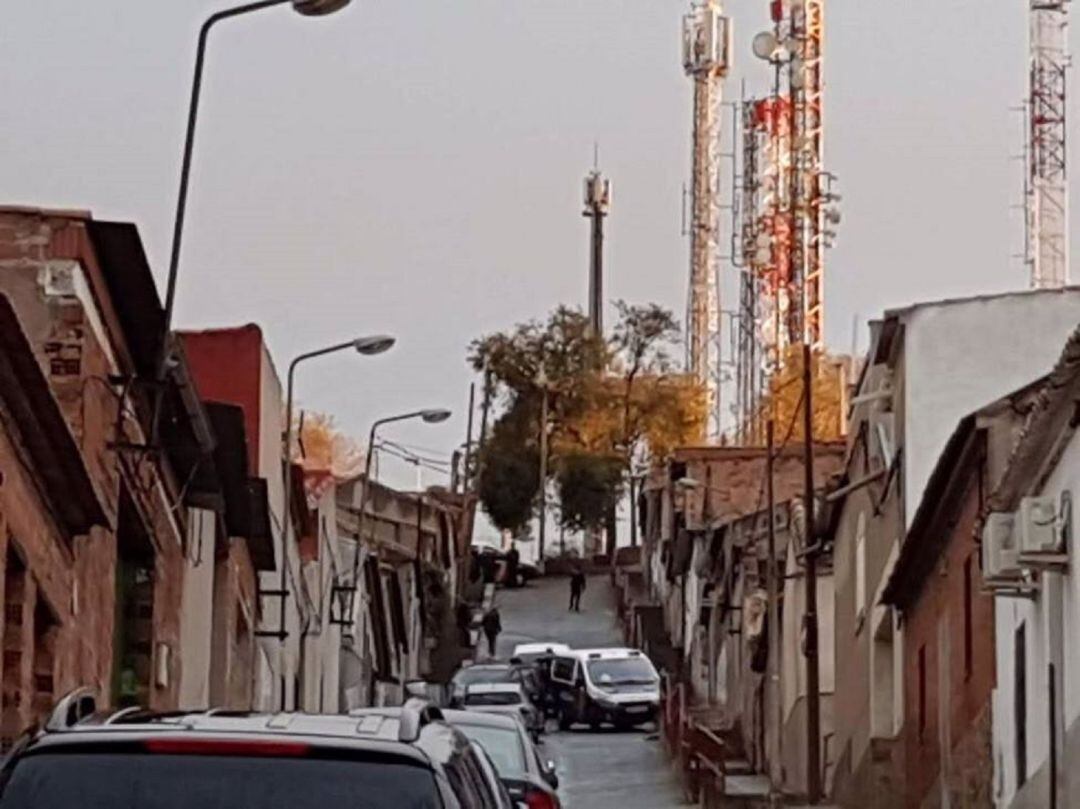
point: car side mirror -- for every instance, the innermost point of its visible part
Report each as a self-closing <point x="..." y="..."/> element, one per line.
<point x="550" y="775"/>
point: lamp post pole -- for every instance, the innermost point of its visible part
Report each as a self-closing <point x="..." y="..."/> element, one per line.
<point x="308" y="8"/>
<point x="363" y="345"/>
<point x="429" y="417"/>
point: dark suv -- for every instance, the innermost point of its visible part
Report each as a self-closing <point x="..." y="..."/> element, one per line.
<point x="218" y="759"/>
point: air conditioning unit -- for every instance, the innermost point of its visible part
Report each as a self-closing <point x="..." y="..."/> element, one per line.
<point x="1037" y="526"/>
<point x="1000" y="554"/>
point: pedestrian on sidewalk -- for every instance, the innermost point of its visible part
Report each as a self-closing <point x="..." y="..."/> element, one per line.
<point x="577" y="587"/>
<point x="492" y="626"/>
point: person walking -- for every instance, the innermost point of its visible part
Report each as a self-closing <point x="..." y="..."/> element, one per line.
<point x="513" y="560"/>
<point x="491" y="623"/>
<point x="577" y="587"/>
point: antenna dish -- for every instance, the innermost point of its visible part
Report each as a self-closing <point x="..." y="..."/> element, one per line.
<point x="765" y="45"/>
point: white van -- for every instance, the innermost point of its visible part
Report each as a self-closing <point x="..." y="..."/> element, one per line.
<point x="594" y="686"/>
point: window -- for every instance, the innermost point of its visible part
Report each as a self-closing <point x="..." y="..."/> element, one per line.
<point x="860" y="572"/>
<point x="922" y="692"/>
<point x="1020" y="703"/>
<point x="502" y="744"/>
<point x="969" y="638"/>
<point x="563" y="669"/>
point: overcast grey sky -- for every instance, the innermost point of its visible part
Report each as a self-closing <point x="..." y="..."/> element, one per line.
<point x="415" y="167"/>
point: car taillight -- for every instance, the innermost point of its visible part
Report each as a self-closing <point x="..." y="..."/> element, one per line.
<point x="226" y="747"/>
<point x="538" y="799"/>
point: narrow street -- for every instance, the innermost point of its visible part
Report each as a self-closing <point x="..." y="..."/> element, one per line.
<point x="596" y="770"/>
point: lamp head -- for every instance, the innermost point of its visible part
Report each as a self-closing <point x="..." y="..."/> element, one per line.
<point x="376" y="344"/>
<point x="318" y="8"/>
<point x="434" y="416"/>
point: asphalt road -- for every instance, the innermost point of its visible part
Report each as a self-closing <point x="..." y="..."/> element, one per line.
<point x="596" y="770"/>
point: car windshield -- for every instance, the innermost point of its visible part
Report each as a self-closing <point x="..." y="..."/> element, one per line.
<point x="622" y="671"/>
<point x="137" y="781"/>
<point x="485" y="674"/>
<point x="504" y="745"/>
<point x="493" y="698"/>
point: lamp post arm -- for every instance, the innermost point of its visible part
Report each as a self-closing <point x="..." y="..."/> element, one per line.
<point x="189" y="144"/>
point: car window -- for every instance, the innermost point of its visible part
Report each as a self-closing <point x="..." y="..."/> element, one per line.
<point x="504" y="745"/>
<point x="563" y="669"/>
<point x="484" y="674"/>
<point x="622" y="671"/>
<point x="143" y="781"/>
<point x="499" y="795"/>
<point x="493" y="698"/>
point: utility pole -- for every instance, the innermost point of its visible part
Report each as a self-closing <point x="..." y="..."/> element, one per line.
<point x="542" y="382"/>
<point x="772" y="589"/>
<point x="597" y="202"/>
<point x="810" y="619"/>
<point x="467" y="466"/>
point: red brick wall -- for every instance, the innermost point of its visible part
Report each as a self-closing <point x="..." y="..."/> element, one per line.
<point x="226" y="364"/>
<point x="970" y="686"/>
<point x="77" y="364"/>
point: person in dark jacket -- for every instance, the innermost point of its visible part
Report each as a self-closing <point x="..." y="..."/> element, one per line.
<point x="577" y="587"/>
<point x="492" y="626"/>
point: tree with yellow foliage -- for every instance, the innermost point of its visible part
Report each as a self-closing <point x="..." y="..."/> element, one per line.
<point x="609" y="403"/>
<point x="783" y="401"/>
<point x="320" y="445"/>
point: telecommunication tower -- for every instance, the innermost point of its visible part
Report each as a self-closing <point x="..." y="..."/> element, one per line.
<point x="706" y="33"/>
<point x="597" y="203"/>
<point x="1047" y="192"/>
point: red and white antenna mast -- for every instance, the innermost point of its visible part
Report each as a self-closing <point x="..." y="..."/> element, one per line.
<point x="705" y="58"/>
<point x="1048" y="194"/>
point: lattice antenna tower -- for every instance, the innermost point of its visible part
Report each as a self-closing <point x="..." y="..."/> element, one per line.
<point x="706" y="38"/>
<point x="1047" y="189"/>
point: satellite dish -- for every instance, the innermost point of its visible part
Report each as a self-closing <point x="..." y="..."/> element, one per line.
<point x="763" y="240"/>
<point x="765" y="45"/>
<point x="798" y="78"/>
<point x="763" y="256"/>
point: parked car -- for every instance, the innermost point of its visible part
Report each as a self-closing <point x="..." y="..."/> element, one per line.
<point x="466" y="676"/>
<point x="138" y="759"/>
<point x="479" y="673"/>
<point x="509" y="699"/>
<point x="530" y="780"/>
<point x="594" y="686"/>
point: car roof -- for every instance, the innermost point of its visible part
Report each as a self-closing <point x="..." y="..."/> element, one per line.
<point x="322" y="730"/>
<point x="533" y="648"/>
<point x="495" y="688"/>
<point x="612" y="653"/>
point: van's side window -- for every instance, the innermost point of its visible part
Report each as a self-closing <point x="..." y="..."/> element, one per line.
<point x="563" y="669"/>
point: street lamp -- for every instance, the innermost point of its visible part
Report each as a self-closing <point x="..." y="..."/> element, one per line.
<point x="367" y="346"/>
<point x="307" y="8"/>
<point x="428" y="416"/>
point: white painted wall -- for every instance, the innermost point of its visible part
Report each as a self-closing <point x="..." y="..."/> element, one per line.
<point x="961" y="355"/>
<point x="281" y="657"/>
<point x="197" y="610"/>
<point x="1009" y="614"/>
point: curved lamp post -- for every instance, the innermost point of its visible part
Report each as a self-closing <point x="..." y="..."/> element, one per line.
<point x="367" y="346"/>
<point x="307" y="8"/>
<point x="429" y="416"/>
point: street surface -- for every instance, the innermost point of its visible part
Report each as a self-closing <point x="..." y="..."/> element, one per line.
<point x="596" y="770"/>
